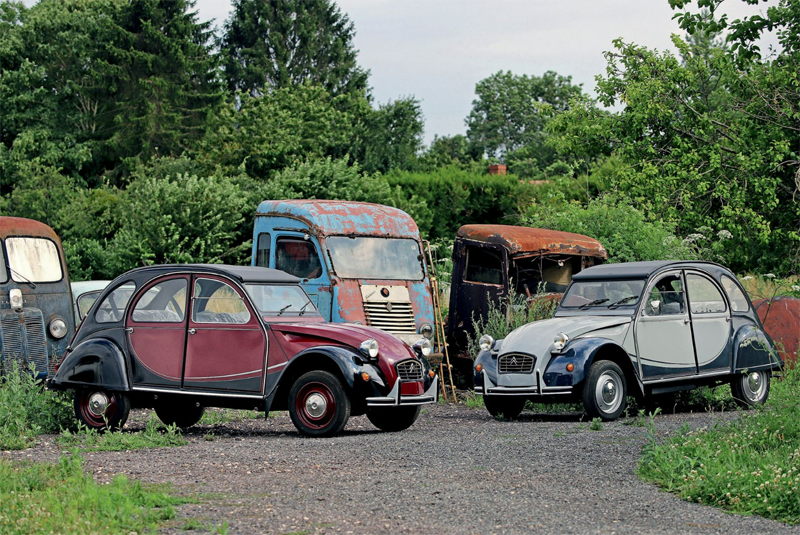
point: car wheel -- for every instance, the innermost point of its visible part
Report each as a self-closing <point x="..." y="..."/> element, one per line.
<point x="100" y="409"/>
<point x="318" y="404"/>
<point x="505" y="407"/>
<point x="181" y="413"/>
<point x="393" y="419"/>
<point x="750" y="389"/>
<point x="604" y="391"/>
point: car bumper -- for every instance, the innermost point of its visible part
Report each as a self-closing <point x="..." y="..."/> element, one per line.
<point x="394" y="398"/>
<point x="489" y="387"/>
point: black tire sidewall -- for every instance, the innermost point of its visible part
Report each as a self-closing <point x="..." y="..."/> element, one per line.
<point x="506" y="407"/>
<point x="596" y="370"/>
<point x="393" y="419"/>
<point x="115" y="421"/>
<point x="343" y="405"/>
<point x="181" y="413"/>
<point x="737" y="391"/>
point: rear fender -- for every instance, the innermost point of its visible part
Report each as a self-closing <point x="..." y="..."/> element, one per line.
<point x="98" y="362"/>
<point x="753" y="350"/>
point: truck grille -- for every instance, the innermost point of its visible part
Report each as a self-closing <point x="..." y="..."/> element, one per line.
<point x="515" y="363"/>
<point x="394" y="317"/>
<point x="24" y="342"/>
<point x="410" y="370"/>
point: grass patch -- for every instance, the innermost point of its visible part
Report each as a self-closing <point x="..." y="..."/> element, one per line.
<point x="155" y="435"/>
<point x="224" y="416"/>
<point x="750" y="467"/>
<point x="42" y="498"/>
<point x="473" y="401"/>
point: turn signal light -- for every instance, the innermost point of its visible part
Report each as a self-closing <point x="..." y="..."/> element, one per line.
<point x="479" y="367"/>
<point x="365" y="376"/>
<point x="431" y="373"/>
<point x="570" y="367"/>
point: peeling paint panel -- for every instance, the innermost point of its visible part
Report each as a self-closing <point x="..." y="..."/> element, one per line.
<point x="533" y="241"/>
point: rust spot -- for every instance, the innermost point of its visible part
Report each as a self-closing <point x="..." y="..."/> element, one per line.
<point x="522" y="240"/>
<point x="781" y="319"/>
<point x="19" y="226"/>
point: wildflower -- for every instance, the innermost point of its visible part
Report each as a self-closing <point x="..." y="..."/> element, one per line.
<point x="769" y="276"/>
<point x="724" y="235"/>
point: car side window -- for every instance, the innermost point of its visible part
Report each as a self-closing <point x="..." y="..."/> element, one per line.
<point x="484" y="266"/>
<point x="262" y="250"/>
<point x="297" y="257"/>
<point x="113" y="306"/>
<point x="667" y="297"/>
<point x="735" y="294"/>
<point x="704" y="295"/>
<point x="85" y="302"/>
<point x="217" y="302"/>
<point x="163" y="303"/>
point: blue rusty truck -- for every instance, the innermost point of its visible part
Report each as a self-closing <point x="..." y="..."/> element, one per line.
<point x="359" y="262"/>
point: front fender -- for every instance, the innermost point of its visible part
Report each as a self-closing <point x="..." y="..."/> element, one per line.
<point x="753" y="350"/>
<point x="582" y="353"/>
<point x="98" y="362"/>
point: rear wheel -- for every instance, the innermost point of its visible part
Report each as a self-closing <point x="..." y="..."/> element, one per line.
<point x="181" y="413"/>
<point x="393" y="419"/>
<point x="604" y="391"/>
<point x="318" y="404"/>
<point x="101" y="409"/>
<point x="750" y="389"/>
<point x="505" y="407"/>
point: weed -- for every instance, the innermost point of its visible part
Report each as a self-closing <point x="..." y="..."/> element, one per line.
<point x="191" y="524"/>
<point x="474" y="401"/>
<point x="596" y="425"/>
<point x="155" y="435"/>
<point x="224" y="416"/>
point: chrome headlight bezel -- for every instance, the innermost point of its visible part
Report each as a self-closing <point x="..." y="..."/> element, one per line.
<point x="426" y="330"/>
<point x="486" y="342"/>
<point x="57" y="328"/>
<point x="423" y="347"/>
<point x="369" y="348"/>
<point x="560" y="341"/>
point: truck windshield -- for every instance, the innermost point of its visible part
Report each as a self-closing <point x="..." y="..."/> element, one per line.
<point x="280" y="300"/>
<point x="376" y="258"/>
<point x="603" y="294"/>
<point x="33" y="260"/>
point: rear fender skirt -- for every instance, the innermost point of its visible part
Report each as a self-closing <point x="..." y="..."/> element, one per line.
<point x="98" y="362"/>
<point x="753" y="350"/>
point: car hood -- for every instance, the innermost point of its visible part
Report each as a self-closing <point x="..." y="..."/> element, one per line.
<point x="537" y="337"/>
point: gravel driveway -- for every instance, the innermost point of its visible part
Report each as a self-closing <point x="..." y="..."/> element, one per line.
<point x="455" y="471"/>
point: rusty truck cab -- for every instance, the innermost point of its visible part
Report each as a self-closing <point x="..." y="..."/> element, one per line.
<point x="36" y="321"/>
<point x="359" y="262"/>
<point x="492" y="261"/>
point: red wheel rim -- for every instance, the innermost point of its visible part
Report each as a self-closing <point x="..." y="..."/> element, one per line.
<point x="315" y="405"/>
<point x="91" y="414"/>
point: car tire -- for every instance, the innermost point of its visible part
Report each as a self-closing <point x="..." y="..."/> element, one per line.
<point x="751" y="389"/>
<point x="505" y="407"/>
<point x="100" y="409"/>
<point x="181" y="413"/>
<point x="318" y="404"/>
<point x="604" y="391"/>
<point x="392" y="419"/>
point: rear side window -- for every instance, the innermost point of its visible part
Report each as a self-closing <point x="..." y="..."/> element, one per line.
<point x="112" y="309"/>
<point x="704" y="296"/>
<point x="484" y="266"/>
<point x="262" y="250"/>
<point x="33" y="260"/>
<point x="3" y="271"/>
<point x="735" y="294"/>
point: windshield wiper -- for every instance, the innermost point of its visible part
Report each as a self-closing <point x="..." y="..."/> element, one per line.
<point x="303" y="308"/>
<point x="623" y="300"/>
<point x="592" y="303"/>
<point x="284" y="309"/>
<point x="25" y="279"/>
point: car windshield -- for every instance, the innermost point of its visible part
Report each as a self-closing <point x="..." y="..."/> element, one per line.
<point x="603" y="294"/>
<point x="276" y="299"/>
<point x="33" y="260"/>
<point x="376" y="258"/>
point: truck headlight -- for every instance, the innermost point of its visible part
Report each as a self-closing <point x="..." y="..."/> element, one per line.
<point x="58" y="328"/>
<point x="486" y="342"/>
<point x="426" y="330"/>
<point x="560" y="341"/>
<point x="369" y="348"/>
<point x="423" y="347"/>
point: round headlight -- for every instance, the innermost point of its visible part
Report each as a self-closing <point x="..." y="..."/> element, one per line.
<point x="423" y="347"/>
<point x="58" y="328"/>
<point x="369" y="348"/>
<point x="560" y="341"/>
<point x="426" y="330"/>
<point x="486" y="342"/>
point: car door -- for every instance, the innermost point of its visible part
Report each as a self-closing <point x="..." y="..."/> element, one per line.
<point x="156" y="326"/>
<point x="663" y="329"/>
<point x="226" y="344"/>
<point x="299" y="255"/>
<point x="711" y="323"/>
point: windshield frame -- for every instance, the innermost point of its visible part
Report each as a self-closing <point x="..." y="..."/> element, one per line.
<point x="332" y="257"/>
<point x="603" y="302"/>
<point x="22" y="274"/>
<point x="309" y="311"/>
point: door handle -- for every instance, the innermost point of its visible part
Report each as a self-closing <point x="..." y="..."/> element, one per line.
<point x="686" y="321"/>
<point x="192" y="331"/>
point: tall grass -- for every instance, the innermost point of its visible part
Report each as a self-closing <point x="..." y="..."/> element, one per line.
<point x="750" y="466"/>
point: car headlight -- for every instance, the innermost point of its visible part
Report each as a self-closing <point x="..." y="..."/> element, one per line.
<point x="58" y="328"/>
<point x="560" y="341"/>
<point x="486" y="342"/>
<point x="426" y="330"/>
<point x="369" y="348"/>
<point x="423" y="347"/>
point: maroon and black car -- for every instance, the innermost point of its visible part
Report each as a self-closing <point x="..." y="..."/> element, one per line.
<point x="180" y="338"/>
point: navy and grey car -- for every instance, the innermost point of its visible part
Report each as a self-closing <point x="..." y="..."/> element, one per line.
<point x="641" y="329"/>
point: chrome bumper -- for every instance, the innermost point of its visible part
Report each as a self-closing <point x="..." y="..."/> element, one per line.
<point x="490" y="388"/>
<point x="431" y="395"/>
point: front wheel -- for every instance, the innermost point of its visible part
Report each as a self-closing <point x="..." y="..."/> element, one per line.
<point x="393" y="419"/>
<point x="751" y="389"/>
<point x="604" y="391"/>
<point x="318" y="404"/>
<point x="183" y="414"/>
<point x="100" y="409"/>
<point x="505" y="407"/>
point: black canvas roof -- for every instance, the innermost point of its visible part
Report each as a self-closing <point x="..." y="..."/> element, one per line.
<point x="241" y="273"/>
<point x="641" y="270"/>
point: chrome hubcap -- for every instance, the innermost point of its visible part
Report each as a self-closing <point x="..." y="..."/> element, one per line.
<point x="754" y="386"/>
<point x="316" y="405"/>
<point x="607" y="393"/>
<point x="98" y="403"/>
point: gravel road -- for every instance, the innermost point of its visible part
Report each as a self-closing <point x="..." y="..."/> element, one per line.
<point x="455" y="471"/>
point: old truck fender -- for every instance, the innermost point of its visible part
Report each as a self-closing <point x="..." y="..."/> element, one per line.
<point x="753" y="350"/>
<point x="582" y="352"/>
<point x="98" y="362"/>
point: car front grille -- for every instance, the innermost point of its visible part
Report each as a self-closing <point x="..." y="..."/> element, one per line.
<point x="24" y="342"/>
<point x="515" y="363"/>
<point x="396" y="317"/>
<point x="410" y="370"/>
